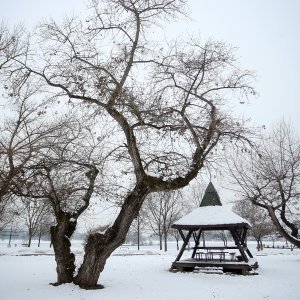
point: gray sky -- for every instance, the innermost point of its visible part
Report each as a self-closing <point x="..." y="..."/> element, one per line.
<point x="266" y="33"/>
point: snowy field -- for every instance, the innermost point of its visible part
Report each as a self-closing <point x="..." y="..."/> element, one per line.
<point x="131" y="274"/>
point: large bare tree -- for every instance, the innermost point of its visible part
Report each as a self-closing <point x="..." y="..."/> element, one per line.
<point x="270" y="179"/>
<point x="167" y="103"/>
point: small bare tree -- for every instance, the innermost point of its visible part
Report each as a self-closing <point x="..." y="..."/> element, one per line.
<point x="261" y="225"/>
<point x="33" y="213"/>
<point x="223" y="236"/>
<point x="195" y="193"/>
<point x="175" y="233"/>
<point x="46" y="222"/>
<point x="270" y="179"/>
<point x="136" y="228"/>
<point x="161" y="210"/>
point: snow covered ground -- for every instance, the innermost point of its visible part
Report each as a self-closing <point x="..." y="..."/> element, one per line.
<point x="131" y="274"/>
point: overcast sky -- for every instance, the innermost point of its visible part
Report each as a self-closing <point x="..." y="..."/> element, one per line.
<point x="266" y="33"/>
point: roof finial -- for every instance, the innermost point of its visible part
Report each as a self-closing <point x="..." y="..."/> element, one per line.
<point x="211" y="197"/>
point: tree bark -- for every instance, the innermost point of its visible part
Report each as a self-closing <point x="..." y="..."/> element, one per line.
<point x="165" y="238"/>
<point x="138" y="231"/>
<point x="281" y="230"/>
<point x="160" y="236"/>
<point x="40" y="235"/>
<point x="294" y="229"/>
<point x="65" y="259"/>
<point x="29" y="238"/>
<point x="99" y="246"/>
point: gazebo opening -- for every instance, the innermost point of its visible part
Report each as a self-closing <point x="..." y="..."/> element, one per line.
<point x="210" y="217"/>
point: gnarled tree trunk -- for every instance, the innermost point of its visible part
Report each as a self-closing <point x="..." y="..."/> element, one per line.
<point x="99" y="246"/>
<point x="295" y="241"/>
<point x="293" y="227"/>
<point x="65" y="259"/>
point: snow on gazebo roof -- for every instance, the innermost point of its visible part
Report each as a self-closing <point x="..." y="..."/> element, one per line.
<point x="210" y="216"/>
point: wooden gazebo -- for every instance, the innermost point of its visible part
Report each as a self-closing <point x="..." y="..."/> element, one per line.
<point x="212" y="216"/>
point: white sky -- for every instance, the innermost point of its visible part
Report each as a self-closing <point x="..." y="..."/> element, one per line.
<point x="266" y="33"/>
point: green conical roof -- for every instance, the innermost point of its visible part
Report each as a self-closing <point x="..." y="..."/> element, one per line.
<point x="211" y="197"/>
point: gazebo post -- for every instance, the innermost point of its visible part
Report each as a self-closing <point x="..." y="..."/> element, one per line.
<point x="197" y="243"/>
<point x="238" y="244"/>
<point x="181" y="234"/>
<point x="244" y="243"/>
<point x="185" y="242"/>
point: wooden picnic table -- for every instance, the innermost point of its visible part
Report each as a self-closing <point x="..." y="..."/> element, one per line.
<point x="220" y="254"/>
<point x="210" y="254"/>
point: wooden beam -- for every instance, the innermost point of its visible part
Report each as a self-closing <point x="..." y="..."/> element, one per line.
<point x="244" y="242"/>
<point x="194" y="236"/>
<point x="197" y="243"/>
<point x="236" y="239"/>
<point x="181" y="234"/>
<point x="185" y="242"/>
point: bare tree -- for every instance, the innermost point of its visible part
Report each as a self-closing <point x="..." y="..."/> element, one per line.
<point x="168" y="104"/>
<point x="12" y="45"/>
<point x="48" y="159"/>
<point x="46" y="222"/>
<point x="64" y="177"/>
<point x="194" y="193"/>
<point x="22" y="134"/>
<point x="153" y="212"/>
<point x="136" y="228"/>
<point x="261" y="225"/>
<point x="161" y="210"/>
<point x="6" y="212"/>
<point x="270" y="179"/>
<point x="223" y="236"/>
<point x="175" y="233"/>
<point x="33" y="213"/>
